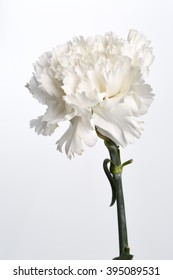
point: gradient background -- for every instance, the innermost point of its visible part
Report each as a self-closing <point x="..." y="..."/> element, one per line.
<point x="54" y="208"/>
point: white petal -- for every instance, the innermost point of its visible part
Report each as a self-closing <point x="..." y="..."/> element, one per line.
<point x="36" y="91"/>
<point x="42" y="127"/>
<point x="55" y="112"/>
<point x="97" y="80"/>
<point x="139" y="99"/>
<point x="50" y="84"/>
<point x="137" y="47"/>
<point x="114" y="120"/>
<point x="82" y="100"/>
<point x="122" y="76"/>
<point x="70" y="82"/>
<point x="42" y="63"/>
<point x="79" y="132"/>
<point x="81" y="92"/>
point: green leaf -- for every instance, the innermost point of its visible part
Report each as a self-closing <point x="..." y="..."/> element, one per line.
<point x="111" y="180"/>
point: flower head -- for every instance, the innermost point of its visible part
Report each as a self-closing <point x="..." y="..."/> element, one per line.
<point x="96" y="84"/>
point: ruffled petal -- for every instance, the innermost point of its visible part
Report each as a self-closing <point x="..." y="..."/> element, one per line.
<point x="114" y="120"/>
<point x="42" y="127"/>
<point x="36" y="91"/>
<point x="139" y="99"/>
<point x="56" y="112"/>
<point x="80" y="92"/>
<point x="121" y="78"/>
<point x="79" y="132"/>
<point x="138" y="48"/>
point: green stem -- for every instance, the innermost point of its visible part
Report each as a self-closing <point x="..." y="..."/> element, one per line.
<point x="122" y="226"/>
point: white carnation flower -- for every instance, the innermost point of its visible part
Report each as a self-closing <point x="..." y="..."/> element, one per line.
<point x="96" y="84"/>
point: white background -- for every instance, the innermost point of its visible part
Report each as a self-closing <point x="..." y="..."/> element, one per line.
<point x="54" y="208"/>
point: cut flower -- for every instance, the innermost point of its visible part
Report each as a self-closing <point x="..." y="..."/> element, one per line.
<point x="96" y="84"/>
